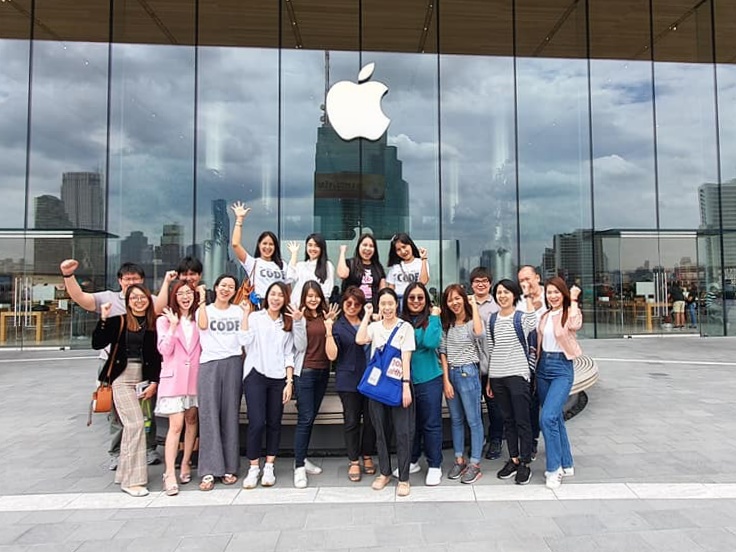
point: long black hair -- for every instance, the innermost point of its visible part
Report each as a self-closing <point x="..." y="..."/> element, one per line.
<point x="320" y="270"/>
<point x="420" y="319"/>
<point x="357" y="268"/>
<point x="321" y="308"/>
<point x="276" y="257"/>
<point x="404" y="238"/>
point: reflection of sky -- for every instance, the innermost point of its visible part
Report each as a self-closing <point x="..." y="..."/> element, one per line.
<point x="243" y="153"/>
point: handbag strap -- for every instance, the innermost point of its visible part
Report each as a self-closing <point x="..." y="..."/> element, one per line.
<point x="115" y="348"/>
<point x="393" y="333"/>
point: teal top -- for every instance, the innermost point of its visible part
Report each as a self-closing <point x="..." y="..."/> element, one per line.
<point x="425" y="365"/>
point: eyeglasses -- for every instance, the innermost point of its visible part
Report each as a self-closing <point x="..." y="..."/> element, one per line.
<point x="188" y="293"/>
<point x="131" y="279"/>
<point x="481" y="282"/>
<point x="138" y="298"/>
<point x="415" y="297"/>
<point x="352" y="304"/>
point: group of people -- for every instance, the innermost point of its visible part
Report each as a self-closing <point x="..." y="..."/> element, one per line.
<point x="194" y="353"/>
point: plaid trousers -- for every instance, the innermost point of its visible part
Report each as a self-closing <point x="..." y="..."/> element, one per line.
<point x="132" y="468"/>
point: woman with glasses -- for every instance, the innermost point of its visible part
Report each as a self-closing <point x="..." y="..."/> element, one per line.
<point x="219" y="384"/>
<point x="463" y="343"/>
<point x="350" y="362"/>
<point x="265" y="266"/>
<point x="406" y="264"/>
<point x="178" y="343"/>
<point x="426" y="376"/>
<point x="364" y="269"/>
<point x="134" y="360"/>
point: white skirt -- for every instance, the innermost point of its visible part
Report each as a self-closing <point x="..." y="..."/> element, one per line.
<point x="166" y="406"/>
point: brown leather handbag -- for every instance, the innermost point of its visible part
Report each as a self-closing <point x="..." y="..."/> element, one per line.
<point x="102" y="396"/>
<point x="245" y="290"/>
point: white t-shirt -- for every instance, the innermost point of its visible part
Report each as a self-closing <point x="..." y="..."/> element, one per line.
<point x="264" y="273"/>
<point x="549" y="341"/>
<point x="222" y="337"/>
<point x="305" y="273"/>
<point x="402" y="274"/>
<point x="404" y="338"/>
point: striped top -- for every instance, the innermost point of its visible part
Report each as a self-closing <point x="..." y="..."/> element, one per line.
<point x="505" y="349"/>
<point x="458" y="345"/>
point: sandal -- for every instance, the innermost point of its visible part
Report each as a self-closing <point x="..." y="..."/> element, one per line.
<point x="229" y="479"/>
<point x="170" y="489"/>
<point x="354" y="472"/>
<point x="207" y="483"/>
<point x="369" y="468"/>
<point x="185" y="477"/>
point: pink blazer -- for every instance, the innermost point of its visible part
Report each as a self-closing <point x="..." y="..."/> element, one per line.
<point x="565" y="335"/>
<point x="180" y="364"/>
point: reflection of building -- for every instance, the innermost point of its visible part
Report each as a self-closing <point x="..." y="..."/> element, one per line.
<point x="345" y="197"/>
<point x="81" y="193"/>
<point x="499" y="262"/>
<point x="136" y="249"/>
<point x="50" y="214"/>
<point x="216" y="249"/>
<point x="172" y="245"/>
<point x="573" y="255"/>
<point x="710" y="224"/>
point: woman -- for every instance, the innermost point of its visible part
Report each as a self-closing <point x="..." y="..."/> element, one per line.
<point x="426" y="376"/>
<point x="555" y="375"/>
<point x="268" y="379"/>
<point x="463" y="339"/>
<point x="266" y="266"/>
<point x="691" y="302"/>
<point x="360" y="439"/>
<point x="315" y="266"/>
<point x="406" y="264"/>
<point x="364" y="269"/>
<point x="312" y="372"/>
<point x="509" y="377"/>
<point x="178" y="343"/>
<point x="219" y="384"/>
<point x="133" y="362"/>
<point x="382" y="416"/>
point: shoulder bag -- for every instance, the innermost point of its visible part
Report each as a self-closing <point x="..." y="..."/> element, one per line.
<point x="102" y="396"/>
<point x="381" y="380"/>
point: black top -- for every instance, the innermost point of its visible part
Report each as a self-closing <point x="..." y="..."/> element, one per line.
<point x="107" y="332"/>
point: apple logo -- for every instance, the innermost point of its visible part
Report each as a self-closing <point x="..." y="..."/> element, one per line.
<point x="354" y="110"/>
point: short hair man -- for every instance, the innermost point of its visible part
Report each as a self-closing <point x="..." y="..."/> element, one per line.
<point x="128" y="274"/>
<point x="481" y="281"/>
<point x="189" y="270"/>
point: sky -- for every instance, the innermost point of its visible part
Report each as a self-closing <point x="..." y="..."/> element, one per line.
<point x="453" y="123"/>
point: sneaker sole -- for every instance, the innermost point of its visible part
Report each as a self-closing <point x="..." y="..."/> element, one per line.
<point x="525" y="482"/>
<point x="471" y="481"/>
<point x="509" y="476"/>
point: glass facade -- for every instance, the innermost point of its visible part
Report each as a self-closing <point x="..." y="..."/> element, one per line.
<point x="591" y="139"/>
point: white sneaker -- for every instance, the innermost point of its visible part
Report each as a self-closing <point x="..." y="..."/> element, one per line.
<point x="300" y="477"/>
<point x="554" y="479"/>
<point x="566" y="472"/>
<point x="268" y="479"/>
<point x="250" y="481"/>
<point x="434" y="475"/>
<point x="413" y="468"/>
<point x="312" y="469"/>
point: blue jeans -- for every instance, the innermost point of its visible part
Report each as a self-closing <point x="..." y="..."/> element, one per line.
<point x="554" y="380"/>
<point x="691" y="308"/>
<point x="310" y="387"/>
<point x="428" y="401"/>
<point x="466" y="405"/>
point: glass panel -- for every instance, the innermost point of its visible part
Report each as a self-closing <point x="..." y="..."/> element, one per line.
<point x="553" y="146"/>
<point x="151" y="184"/>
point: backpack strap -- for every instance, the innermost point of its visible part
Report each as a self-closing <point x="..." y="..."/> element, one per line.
<point x="520" y="332"/>
<point x="492" y="324"/>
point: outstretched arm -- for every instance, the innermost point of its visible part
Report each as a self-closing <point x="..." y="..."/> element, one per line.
<point x="81" y="298"/>
<point x="241" y="211"/>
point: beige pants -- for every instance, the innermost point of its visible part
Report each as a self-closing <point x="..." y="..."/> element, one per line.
<point x="132" y="468"/>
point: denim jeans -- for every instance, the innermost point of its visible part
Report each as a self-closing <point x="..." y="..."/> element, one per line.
<point x="310" y="387"/>
<point x="554" y="380"/>
<point x="428" y="434"/>
<point x="465" y="381"/>
<point x="691" y="310"/>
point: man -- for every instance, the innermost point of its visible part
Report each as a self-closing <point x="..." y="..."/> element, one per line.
<point x="531" y="286"/>
<point x="480" y="282"/>
<point x="128" y="274"/>
<point x="190" y="271"/>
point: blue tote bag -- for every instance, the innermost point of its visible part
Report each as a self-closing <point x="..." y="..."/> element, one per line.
<point x="382" y="377"/>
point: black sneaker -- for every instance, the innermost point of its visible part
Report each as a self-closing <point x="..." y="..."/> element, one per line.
<point x="534" y="450"/>
<point x="523" y="474"/>
<point x="508" y="470"/>
<point x="494" y="450"/>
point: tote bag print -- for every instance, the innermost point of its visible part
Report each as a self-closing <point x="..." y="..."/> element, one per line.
<point x="382" y="378"/>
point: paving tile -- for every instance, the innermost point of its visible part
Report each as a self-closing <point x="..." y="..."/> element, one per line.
<point x="253" y="540"/>
<point x="209" y="543"/>
<point x="713" y="539"/>
<point x="47" y="533"/>
<point x="675" y="540"/>
<point x="667" y="519"/>
<point x="575" y="525"/>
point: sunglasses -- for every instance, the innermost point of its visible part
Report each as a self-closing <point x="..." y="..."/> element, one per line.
<point x="415" y="297"/>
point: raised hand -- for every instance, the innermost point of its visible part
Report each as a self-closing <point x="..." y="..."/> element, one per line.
<point x="296" y="314"/>
<point x="171" y="316"/>
<point x="293" y="247"/>
<point x="343" y="249"/>
<point x="471" y="300"/>
<point x="170" y="276"/>
<point x="328" y="325"/>
<point x="422" y="253"/>
<point x="246" y="306"/>
<point x="574" y="293"/>
<point x="105" y="309"/>
<point x="368" y="310"/>
<point x="436" y="311"/>
<point x="333" y="313"/>
<point x="69" y="266"/>
<point x="202" y="292"/>
<point x="240" y="210"/>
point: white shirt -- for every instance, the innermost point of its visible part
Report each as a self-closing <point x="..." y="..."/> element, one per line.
<point x="305" y="273"/>
<point x="549" y="341"/>
<point x="264" y="273"/>
<point x="269" y="349"/>
<point x="221" y="339"/>
<point x="402" y="274"/>
<point x="404" y="338"/>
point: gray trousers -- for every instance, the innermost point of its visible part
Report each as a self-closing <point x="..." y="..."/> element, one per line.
<point x="219" y="386"/>
<point x="116" y="427"/>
